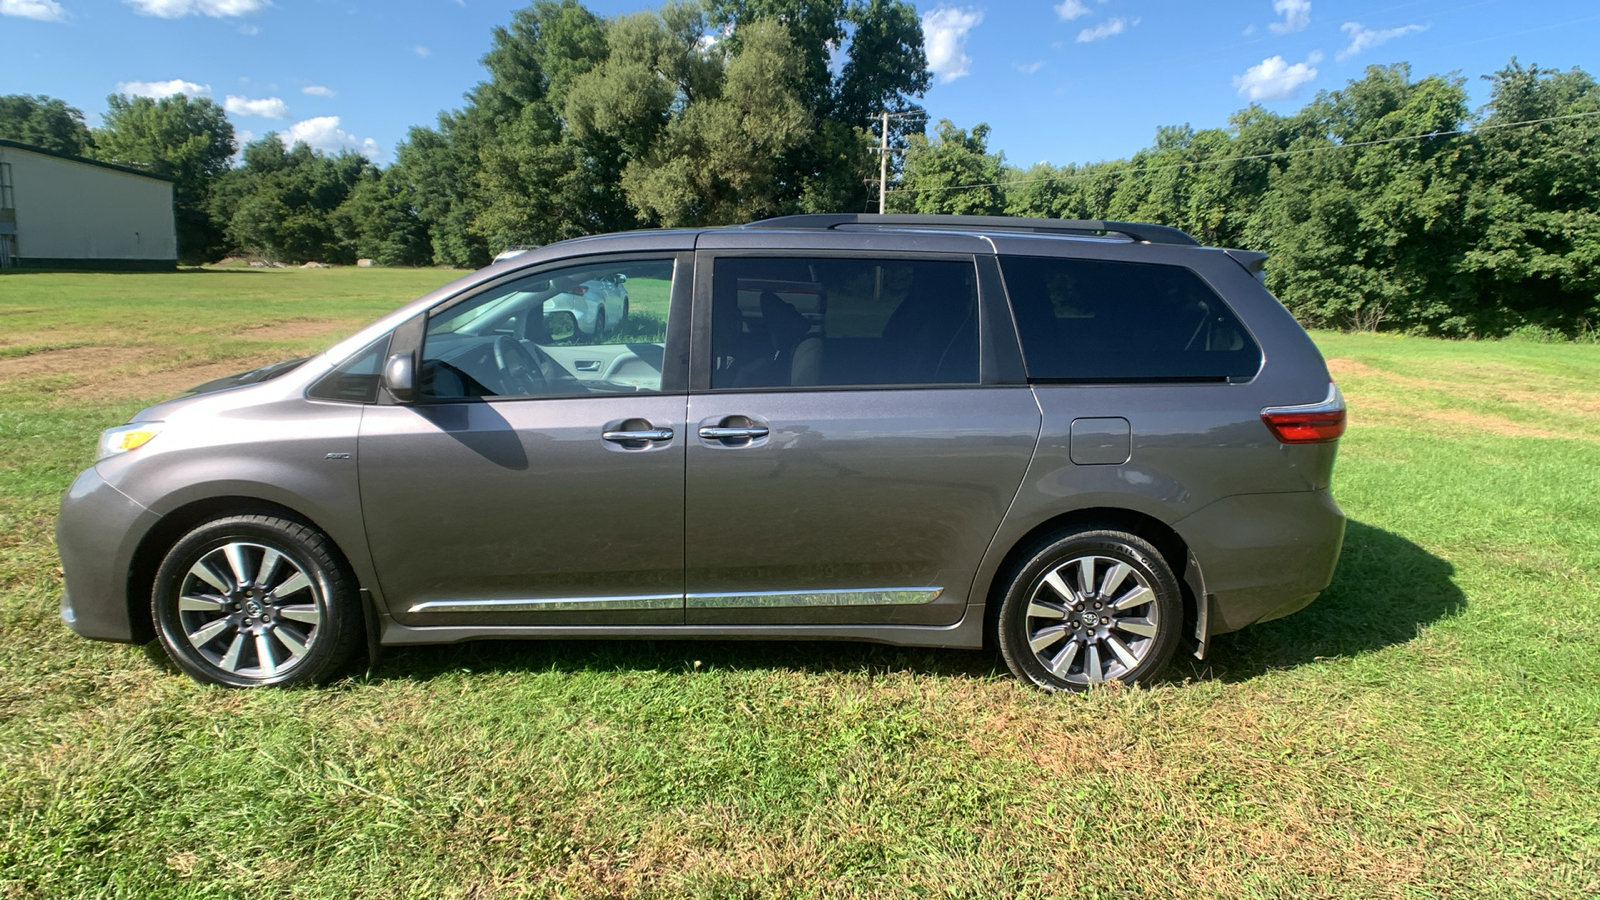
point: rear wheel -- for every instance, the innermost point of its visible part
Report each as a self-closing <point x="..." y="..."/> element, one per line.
<point x="1088" y="607"/>
<point x="251" y="601"/>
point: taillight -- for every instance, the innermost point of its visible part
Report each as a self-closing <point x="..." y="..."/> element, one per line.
<point x="1315" y="423"/>
<point x="580" y="290"/>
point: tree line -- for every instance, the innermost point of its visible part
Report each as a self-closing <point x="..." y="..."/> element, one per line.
<point x="1385" y="205"/>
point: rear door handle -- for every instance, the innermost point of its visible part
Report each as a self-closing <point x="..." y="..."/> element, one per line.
<point x="723" y="433"/>
<point x="643" y="434"/>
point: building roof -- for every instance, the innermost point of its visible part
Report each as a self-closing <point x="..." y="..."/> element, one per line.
<point x="15" y="145"/>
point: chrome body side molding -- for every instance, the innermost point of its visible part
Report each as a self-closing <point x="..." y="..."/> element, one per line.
<point x="555" y="604"/>
<point x="898" y="596"/>
<point x="894" y="596"/>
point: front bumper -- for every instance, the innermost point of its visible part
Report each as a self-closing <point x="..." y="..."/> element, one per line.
<point x="97" y="533"/>
<point x="1264" y="556"/>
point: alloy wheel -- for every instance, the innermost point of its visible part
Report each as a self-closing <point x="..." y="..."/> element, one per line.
<point x="249" y="610"/>
<point x="1092" y="619"/>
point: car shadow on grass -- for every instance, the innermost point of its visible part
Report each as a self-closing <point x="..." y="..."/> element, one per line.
<point x="1384" y="590"/>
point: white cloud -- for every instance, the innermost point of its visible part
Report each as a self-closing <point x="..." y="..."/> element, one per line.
<point x="1296" y="16"/>
<point x="422" y="51"/>
<point x="248" y="29"/>
<point x="1275" y="79"/>
<point x="43" y="10"/>
<point x="944" y="34"/>
<point x="323" y="133"/>
<point x="1071" y="9"/>
<point x="1367" y="38"/>
<point x="317" y="90"/>
<point x="216" y="9"/>
<point x="159" y="89"/>
<point x="244" y="136"/>
<point x="267" y="107"/>
<point x="1106" y="29"/>
<point x="1030" y="68"/>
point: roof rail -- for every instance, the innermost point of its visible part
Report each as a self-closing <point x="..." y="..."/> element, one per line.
<point x="1150" y="234"/>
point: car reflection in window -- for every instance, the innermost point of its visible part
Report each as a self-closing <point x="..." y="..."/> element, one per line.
<point x="582" y="330"/>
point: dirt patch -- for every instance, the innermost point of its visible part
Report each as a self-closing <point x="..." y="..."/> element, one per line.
<point x="168" y="383"/>
<point x="81" y="362"/>
<point x="1366" y="411"/>
<point x="300" y="330"/>
<point x="1342" y="367"/>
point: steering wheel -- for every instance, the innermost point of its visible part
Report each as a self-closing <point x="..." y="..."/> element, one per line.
<point x="519" y="367"/>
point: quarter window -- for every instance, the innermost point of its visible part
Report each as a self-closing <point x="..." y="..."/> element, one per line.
<point x="795" y="322"/>
<point x="355" y="380"/>
<point x="1096" y="321"/>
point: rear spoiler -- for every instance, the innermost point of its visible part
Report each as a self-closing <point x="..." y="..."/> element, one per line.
<point x="1255" y="263"/>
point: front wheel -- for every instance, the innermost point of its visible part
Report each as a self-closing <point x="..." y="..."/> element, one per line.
<point x="1088" y="607"/>
<point x="251" y="601"/>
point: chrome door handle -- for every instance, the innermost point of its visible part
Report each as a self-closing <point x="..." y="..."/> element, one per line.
<point x="628" y="437"/>
<point x="719" y="433"/>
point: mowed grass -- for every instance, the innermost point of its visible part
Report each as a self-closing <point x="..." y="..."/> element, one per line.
<point x="1431" y="726"/>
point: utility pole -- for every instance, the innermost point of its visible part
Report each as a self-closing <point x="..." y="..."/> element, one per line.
<point x="883" y="165"/>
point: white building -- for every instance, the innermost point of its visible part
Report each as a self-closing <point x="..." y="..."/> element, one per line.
<point x="63" y="212"/>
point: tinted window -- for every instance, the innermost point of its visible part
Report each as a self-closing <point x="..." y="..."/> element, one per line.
<point x="596" y="328"/>
<point x="818" y="321"/>
<point x="356" y="381"/>
<point x="1092" y="320"/>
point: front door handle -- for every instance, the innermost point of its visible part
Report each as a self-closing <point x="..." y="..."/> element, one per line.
<point x="724" y="433"/>
<point x="643" y="434"/>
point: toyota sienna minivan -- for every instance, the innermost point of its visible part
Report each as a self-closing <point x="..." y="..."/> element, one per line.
<point x="1090" y="443"/>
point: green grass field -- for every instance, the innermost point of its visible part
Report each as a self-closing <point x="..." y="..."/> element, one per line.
<point x="1430" y="727"/>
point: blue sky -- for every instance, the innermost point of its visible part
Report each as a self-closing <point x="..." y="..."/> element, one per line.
<point x="1056" y="80"/>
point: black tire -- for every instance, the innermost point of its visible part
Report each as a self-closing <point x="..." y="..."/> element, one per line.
<point x="305" y="598"/>
<point x="600" y="321"/>
<point x="1146" y="630"/>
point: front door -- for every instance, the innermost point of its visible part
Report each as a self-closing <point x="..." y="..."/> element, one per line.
<point x="536" y="480"/>
<point x="846" y="464"/>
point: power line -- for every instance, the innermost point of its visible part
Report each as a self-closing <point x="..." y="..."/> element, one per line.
<point x="1255" y="156"/>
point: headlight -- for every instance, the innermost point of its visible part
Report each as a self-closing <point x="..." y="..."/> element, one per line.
<point x="123" y="438"/>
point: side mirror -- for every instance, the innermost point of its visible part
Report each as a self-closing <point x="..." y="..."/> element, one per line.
<point x="400" y="377"/>
<point x="621" y="278"/>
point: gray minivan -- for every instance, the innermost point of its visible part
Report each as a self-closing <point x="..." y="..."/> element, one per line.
<point x="1088" y="442"/>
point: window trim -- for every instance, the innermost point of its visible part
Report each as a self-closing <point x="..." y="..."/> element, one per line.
<point x="1134" y="381"/>
<point x="411" y="335"/>
<point x="700" y="340"/>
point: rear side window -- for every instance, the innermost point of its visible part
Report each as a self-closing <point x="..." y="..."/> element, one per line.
<point x="803" y="321"/>
<point x="1087" y="320"/>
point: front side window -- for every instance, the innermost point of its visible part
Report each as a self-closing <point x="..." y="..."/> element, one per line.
<point x="597" y="328"/>
<point x="795" y="322"/>
<point x="1084" y="320"/>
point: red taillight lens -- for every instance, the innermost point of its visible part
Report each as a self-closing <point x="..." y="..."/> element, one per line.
<point x="1314" y="424"/>
<point x="581" y="289"/>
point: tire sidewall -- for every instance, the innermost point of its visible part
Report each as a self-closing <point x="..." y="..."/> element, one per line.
<point x="312" y="559"/>
<point x="1136" y="552"/>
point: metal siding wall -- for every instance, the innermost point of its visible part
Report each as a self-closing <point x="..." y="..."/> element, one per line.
<point x="69" y="210"/>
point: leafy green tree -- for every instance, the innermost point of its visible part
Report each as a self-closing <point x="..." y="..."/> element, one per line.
<point x="288" y="203"/>
<point x="188" y="140"/>
<point x="952" y="174"/>
<point x="44" y="122"/>
<point x="1362" y="232"/>
<point x="378" y="221"/>
<point x="1535" y="255"/>
<point x="722" y="160"/>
